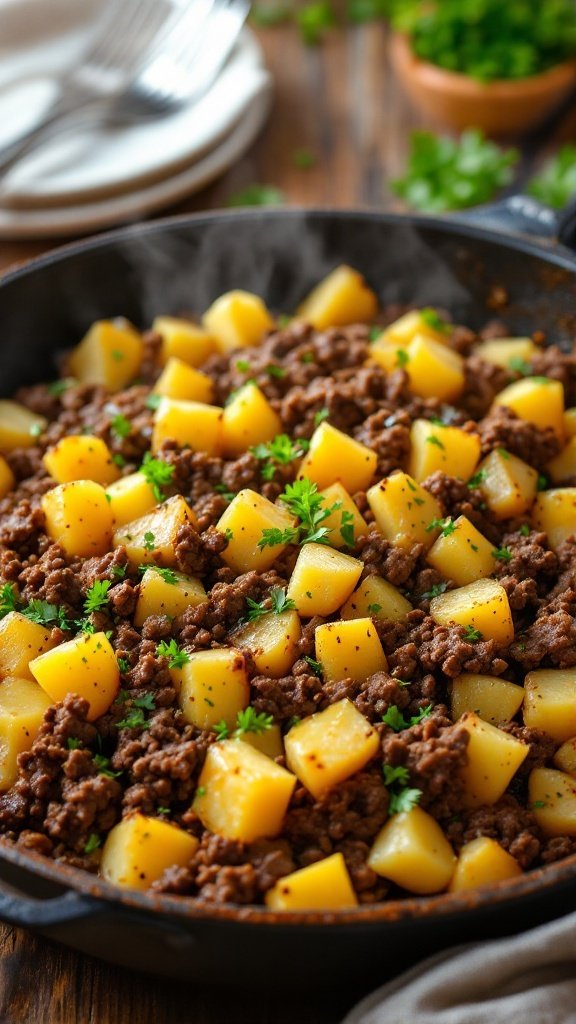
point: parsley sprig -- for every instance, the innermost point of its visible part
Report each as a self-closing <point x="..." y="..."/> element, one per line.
<point x="395" y="719"/>
<point x="248" y="720"/>
<point x="402" y="797"/>
<point x="136" y="717"/>
<point x="303" y="501"/>
<point x="279" y="452"/>
<point x="158" y="474"/>
<point x="446" y="526"/>
<point x="175" y="655"/>
<point x="276" y="603"/>
<point x="168" y="575"/>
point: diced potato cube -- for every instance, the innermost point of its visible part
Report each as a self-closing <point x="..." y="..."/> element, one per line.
<point x="335" y="456"/>
<point x="378" y="599"/>
<point x="389" y="355"/>
<point x="272" y="641"/>
<point x="538" y="400"/>
<point x="158" y="596"/>
<point x="21" y="640"/>
<point x="550" y="702"/>
<point x="79" y="518"/>
<point x="237" y="320"/>
<point x="248" y="419"/>
<point x="81" y="457"/>
<point x="214" y="687"/>
<point x="552" y="800"/>
<point x="507" y="352"/>
<point x="322" y="579"/>
<point x="192" y="425"/>
<point x="465" y="555"/>
<point x="450" y="449"/>
<point x="508" y="484"/>
<point x="482" y="605"/>
<point x="244" y="522"/>
<point x="434" y="371"/>
<point x="563" y="466"/>
<point x="85" y="665"/>
<point x="403" y="511"/>
<point x="139" y="849"/>
<point x="7" y="478"/>
<point x="483" y="861"/>
<point x="412" y="851"/>
<point x="183" y="340"/>
<point x="152" y="539"/>
<point x="418" y="321"/>
<point x="22" y="707"/>
<point x="349" y="650"/>
<point x="493" y="699"/>
<point x="565" y="757"/>
<point x="554" y="512"/>
<point x="268" y="742"/>
<point x="130" y="497"/>
<point x="330" y="746"/>
<point x="494" y="757"/>
<point x="570" y="422"/>
<point x="19" y="428"/>
<point x="345" y="524"/>
<point x="181" y="381"/>
<point x="242" y="794"/>
<point x="324" y="885"/>
<point x="110" y="354"/>
<point x="343" y="297"/>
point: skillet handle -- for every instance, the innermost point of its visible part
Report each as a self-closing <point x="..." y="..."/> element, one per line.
<point x="522" y="215"/>
<point x="31" y="912"/>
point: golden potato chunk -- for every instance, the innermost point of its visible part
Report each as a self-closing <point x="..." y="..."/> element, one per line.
<point x="378" y="599"/>
<point x="345" y="523"/>
<point x="248" y="515"/>
<point x="463" y="554"/>
<point x="192" y="425"/>
<point x="508" y="484"/>
<point x="22" y="707"/>
<point x="330" y="746"/>
<point x="404" y="511"/>
<point x="248" y="420"/>
<point x="79" y="518"/>
<point x="214" y="687"/>
<point x="160" y="596"/>
<point x="183" y="340"/>
<point x="412" y="851"/>
<point x="184" y="382"/>
<point x="334" y="456"/>
<point x="152" y="539"/>
<point x="324" y="885"/>
<point x="21" y="640"/>
<point x="7" y="478"/>
<point x="129" y="498"/>
<point x="481" y="607"/>
<point x="268" y="742"/>
<point x="552" y="800"/>
<point x="565" y="757"/>
<point x="550" y="702"/>
<point x="436" y="447"/>
<point x="242" y="794"/>
<point x="418" y="321"/>
<point x="322" y="579"/>
<point x="563" y="466"/>
<point x="110" y="354"/>
<point x="538" y="400"/>
<point x="139" y="849"/>
<point x="85" y="665"/>
<point x="434" y="371"/>
<point x="349" y="650"/>
<point x="494" y="757"/>
<point x="343" y="297"/>
<point x="19" y="428"/>
<point x="272" y="641"/>
<point x="482" y="861"/>
<point x="570" y="422"/>
<point x="509" y="353"/>
<point x="554" y="512"/>
<point x="81" y="457"/>
<point x="237" y="320"/>
<point x="493" y="699"/>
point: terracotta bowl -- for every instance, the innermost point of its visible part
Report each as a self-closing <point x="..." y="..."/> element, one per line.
<point x="499" y="108"/>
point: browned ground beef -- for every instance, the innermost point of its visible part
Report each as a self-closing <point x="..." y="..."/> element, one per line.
<point x="63" y="796"/>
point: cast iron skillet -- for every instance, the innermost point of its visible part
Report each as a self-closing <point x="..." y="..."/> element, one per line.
<point x="184" y="263"/>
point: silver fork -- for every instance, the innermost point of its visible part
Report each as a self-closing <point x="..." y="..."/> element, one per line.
<point x="153" y="58"/>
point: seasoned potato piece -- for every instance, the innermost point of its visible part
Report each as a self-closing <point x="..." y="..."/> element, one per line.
<point x="22" y="707"/>
<point x="21" y="640"/>
<point x="508" y="484"/>
<point x="565" y="757"/>
<point x="183" y="340"/>
<point x="554" y="512"/>
<point x="81" y="457"/>
<point x="434" y="446"/>
<point x="418" y="321"/>
<point x="272" y="641"/>
<point x="152" y="539"/>
<point x="329" y="746"/>
<point x="85" y="665"/>
<point x="552" y="800"/>
<point x="19" y="428"/>
<point x="190" y="424"/>
<point x="349" y="650"/>
<point x="79" y="518"/>
<point x="403" y="511"/>
<point x="482" y="862"/>
<point x="550" y="702"/>
<point x="138" y="850"/>
<point x="214" y="687"/>
<point x="159" y="596"/>
<point x="493" y="699"/>
<point x="248" y="420"/>
<point x="570" y="422"/>
<point x="494" y="757"/>
<point x="243" y="523"/>
<point x="130" y="497"/>
<point x="378" y="599"/>
<point x="333" y="456"/>
<point x="322" y="579"/>
<point x="434" y="371"/>
<point x="538" y="400"/>
<point x="507" y="352"/>
<point x="237" y="320"/>
<point x="412" y="851"/>
<point x="324" y="885"/>
<point x="268" y="742"/>
<point x="563" y="467"/>
<point x="481" y="606"/>
<point x="345" y="524"/>
<point x="109" y="354"/>
<point x="181" y="381"/>
<point x="464" y="555"/>
<point x="343" y="297"/>
<point x="388" y="354"/>
<point x="7" y="478"/>
<point x="242" y="794"/>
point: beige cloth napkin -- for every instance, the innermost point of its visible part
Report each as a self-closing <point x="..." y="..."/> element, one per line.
<point x="526" y="979"/>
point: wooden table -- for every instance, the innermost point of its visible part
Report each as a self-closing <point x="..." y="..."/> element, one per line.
<point x="340" y="102"/>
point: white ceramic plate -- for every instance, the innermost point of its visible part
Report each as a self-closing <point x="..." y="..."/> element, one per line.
<point x="39" y="36"/>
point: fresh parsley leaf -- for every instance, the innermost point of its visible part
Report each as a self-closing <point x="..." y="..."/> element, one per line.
<point x="119" y="571"/>
<point x="93" y="843"/>
<point x="435" y="591"/>
<point x="73" y="743"/>
<point x="314" y="665"/>
<point x="153" y="401"/>
<point x="320" y="416"/>
<point x="243" y="365"/>
<point x="502" y="554"/>
<point x="524" y="530"/>
<point x="103" y="765"/>
<point x="432" y="318"/>
<point x="304" y="502"/>
<point x="224" y="491"/>
<point x="58" y="387"/>
<point x="46" y="614"/>
<point x="275" y="371"/>
<point x="279" y="452"/>
<point x="163" y="811"/>
<point x="446" y="526"/>
<point x="402" y="358"/>
<point x="543" y="482"/>
<point x="395" y="719"/>
<point x="477" y="479"/>
<point x="123" y="665"/>
<point x="120" y="426"/>
<point x="278" y="603"/>
<point x="176" y="656"/>
<point x="149" y="541"/>
<point x="168" y="575"/>
<point x="135" y="719"/>
<point x="221" y="730"/>
<point x="250" y="720"/>
<point x="158" y="474"/>
<point x="402" y="797"/>
<point x="472" y="635"/>
<point x="518" y="365"/>
<point x="97" y="596"/>
<point x="9" y="601"/>
<point x="373" y="609"/>
<point x="432" y="439"/>
<point x="347" y="528"/>
<point x="257" y="195"/>
<point x="147" y="702"/>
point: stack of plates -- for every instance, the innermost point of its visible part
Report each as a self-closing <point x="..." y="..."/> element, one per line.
<point x="92" y="178"/>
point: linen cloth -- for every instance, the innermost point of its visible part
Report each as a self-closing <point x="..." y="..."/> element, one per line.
<point x="525" y="979"/>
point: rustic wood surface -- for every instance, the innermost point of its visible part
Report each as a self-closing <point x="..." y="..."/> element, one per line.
<point x="340" y="102"/>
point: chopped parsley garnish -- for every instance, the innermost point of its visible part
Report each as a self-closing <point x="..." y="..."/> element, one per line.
<point x="395" y="719"/>
<point x="402" y="797"/>
<point x="446" y="526"/>
<point x="502" y="554"/>
<point x="147" y="702"/>
<point x="123" y="665"/>
<point x="103" y="765"/>
<point x="58" y="387"/>
<point x="519" y="365"/>
<point x="93" y="843"/>
<point x="374" y="608"/>
<point x="97" y="596"/>
<point x="8" y="599"/>
<point x="402" y="358"/>
<point x="477" y="479"/>
<point x="229" y="534"/>
<point x="163" y="810"/>
<point x="153" y="401"/>
<point x="503" y="453"/>
<point x="224" y="491"/>
<point x="46" y="614"/>
<point x="432" y="318"/>
<point x="347" y="528"/>
<point x="135" y="719"/>
<point x="119" y="571"/>
<point x="73" y="743"/>
<point x="275" y="371"/>
<point x="524" y="530"/>
<point x="542" y="482"/>
<point x="158" y="474"/>
<point x="120" y="426"/>
<point x="314" y="665"/>
<point x="320" y="416"/>
<point x="279" y="452"/>
<point x="243" y="365"/>
<point x="168" y="575"/>
<point x="149" y="541"/>
<point x="176" y="656"/>
<point x="250" y="720"/>
<point x="375" y="332"/>
<point x="278" y="603"/>
<point x="432" y="439"/>
<point x="472" y="635"/>
<point x="221" y="730"/>
<point x="304" y="502"/>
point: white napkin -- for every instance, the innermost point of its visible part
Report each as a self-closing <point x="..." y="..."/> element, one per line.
<point x="527" y="979"/>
